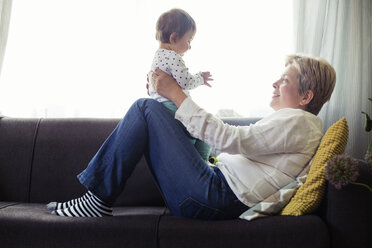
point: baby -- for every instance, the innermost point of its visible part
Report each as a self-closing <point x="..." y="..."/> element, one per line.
<point x="175" y="30"/>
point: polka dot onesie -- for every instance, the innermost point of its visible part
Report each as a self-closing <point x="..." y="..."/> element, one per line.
<point x="173" y="64"/>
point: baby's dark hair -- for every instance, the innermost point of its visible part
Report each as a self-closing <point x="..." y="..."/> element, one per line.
<point x="174" y="21"/>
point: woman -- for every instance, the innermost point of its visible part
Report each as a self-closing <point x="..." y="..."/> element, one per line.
<point x="254" y="161"/>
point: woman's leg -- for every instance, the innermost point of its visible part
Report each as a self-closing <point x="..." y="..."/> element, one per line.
<point x="115" y="161"/>
<point x="190" y="187"/>
<point x="109" y="169"/>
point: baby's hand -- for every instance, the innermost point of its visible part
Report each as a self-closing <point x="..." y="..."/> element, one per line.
<point x="207" y="76"/>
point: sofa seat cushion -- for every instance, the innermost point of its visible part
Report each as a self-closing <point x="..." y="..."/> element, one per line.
<point x="31" y="225"/>
<point x="274" y="231"/>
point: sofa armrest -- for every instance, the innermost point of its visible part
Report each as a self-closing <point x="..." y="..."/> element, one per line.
<point x="240" y="121"/>
<point x="348" y="212"/>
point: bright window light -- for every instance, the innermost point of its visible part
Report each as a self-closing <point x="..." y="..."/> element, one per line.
<point x="89" y="58"/>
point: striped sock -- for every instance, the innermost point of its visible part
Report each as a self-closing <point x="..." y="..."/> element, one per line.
<point x="61" y="205"/>
<point x="92" y="207"/>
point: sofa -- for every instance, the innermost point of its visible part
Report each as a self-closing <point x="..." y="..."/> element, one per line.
<point x="39" y="161"/>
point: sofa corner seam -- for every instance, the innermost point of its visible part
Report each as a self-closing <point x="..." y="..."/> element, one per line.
<point x="32" y="158"/>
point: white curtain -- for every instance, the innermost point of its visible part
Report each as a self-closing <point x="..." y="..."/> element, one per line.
<point x="5" y="9"/>
<point x="341" y="32"/>
<point x="89" y="58"/>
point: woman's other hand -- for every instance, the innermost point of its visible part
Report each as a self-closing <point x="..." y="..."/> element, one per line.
<point x="167" y="87"/>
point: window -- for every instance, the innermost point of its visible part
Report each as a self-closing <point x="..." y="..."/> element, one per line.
<point x="89" y="58"/>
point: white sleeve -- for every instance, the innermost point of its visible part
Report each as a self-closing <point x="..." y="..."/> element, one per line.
<point x="181" y="74"/>
<point x="256" y="139"/>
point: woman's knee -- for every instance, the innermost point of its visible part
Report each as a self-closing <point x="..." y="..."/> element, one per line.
<point x="144" y="103"/>
<point x="150" y="107"/>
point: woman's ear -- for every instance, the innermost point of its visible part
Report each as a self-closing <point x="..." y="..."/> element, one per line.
<point x="173" y="38"/>
<point x="307" y="97"/>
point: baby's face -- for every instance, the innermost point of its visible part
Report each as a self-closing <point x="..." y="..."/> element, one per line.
<point x="181" y="46"/>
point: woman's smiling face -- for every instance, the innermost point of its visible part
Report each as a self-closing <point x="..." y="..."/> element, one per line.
<point x="286" y="93"/>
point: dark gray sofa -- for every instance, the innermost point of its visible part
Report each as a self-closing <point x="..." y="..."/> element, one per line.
<point x="39" y="161"/>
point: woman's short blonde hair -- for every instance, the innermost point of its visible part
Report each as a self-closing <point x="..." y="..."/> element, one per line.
<point x="314" y="74"/>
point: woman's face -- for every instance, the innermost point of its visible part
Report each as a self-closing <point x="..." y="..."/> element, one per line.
<point x="285" y="93"/>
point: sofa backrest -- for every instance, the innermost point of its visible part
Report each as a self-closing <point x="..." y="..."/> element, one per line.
<point x="40" y="158"/>
<point x="17" y="137"/>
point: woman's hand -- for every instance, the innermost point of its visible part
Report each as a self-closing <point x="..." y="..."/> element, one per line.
<point x="167" y="87"/>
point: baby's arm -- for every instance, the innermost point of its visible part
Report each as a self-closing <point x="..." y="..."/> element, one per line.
<point x="186" y="80"/>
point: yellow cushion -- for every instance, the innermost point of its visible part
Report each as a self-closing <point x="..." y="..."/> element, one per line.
<point x="310" y="194"/>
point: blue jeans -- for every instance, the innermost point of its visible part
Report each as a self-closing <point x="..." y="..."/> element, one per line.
<point x="190" y="187"/>
<point x="202" y="147"/>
